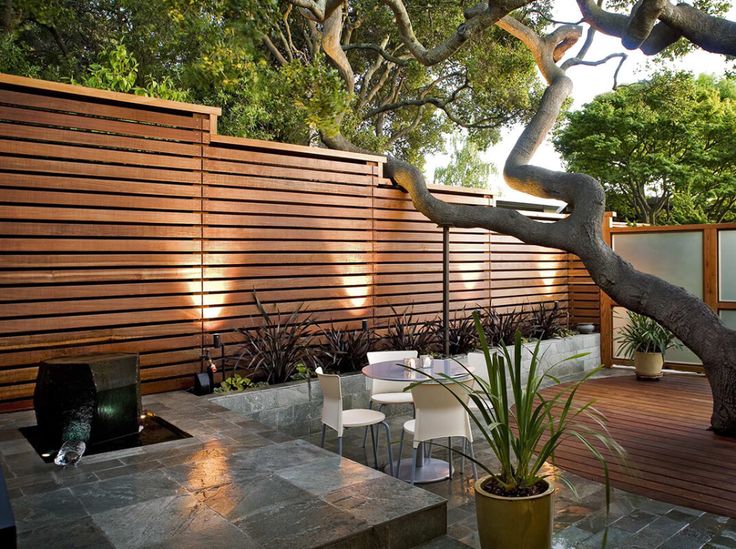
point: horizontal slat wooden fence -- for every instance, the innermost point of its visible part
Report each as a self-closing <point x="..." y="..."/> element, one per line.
<point x="128" y="224"/>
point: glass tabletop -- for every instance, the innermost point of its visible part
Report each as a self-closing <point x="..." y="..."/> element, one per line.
<point x="393" y="370"/>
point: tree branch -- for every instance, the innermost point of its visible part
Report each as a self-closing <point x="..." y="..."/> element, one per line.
<point x="401" y="61"/>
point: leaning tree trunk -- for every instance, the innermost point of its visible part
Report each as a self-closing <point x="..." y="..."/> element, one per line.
<point x="687" y="316"/>
<point x="581" y="232"/>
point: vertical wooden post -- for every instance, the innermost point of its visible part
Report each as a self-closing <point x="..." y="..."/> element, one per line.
<point x="606" y="304"/>
<point x="446" y="288"/>
<point x="710" y="267"/>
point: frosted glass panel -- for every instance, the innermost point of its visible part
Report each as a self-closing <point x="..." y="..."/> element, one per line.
<point x="684" y="355"/>
<point x="727" y="265"/>
<point x="729" y="319"/>
<point x="675" y="257"/>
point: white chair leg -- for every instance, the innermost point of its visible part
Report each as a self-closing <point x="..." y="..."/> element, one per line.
<point x="322" y="440"/>
<point x="375" y="451"/>
<point x="339" y="446"/>
<point x="413" y="464"/>
<point x="401" y="448"/>
<point x="365" y="431"/>
<point x="449" y="454"/>
<point x="388" y="448"/>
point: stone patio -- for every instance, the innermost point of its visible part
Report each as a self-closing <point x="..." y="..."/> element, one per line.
<point x="236" y="483"/>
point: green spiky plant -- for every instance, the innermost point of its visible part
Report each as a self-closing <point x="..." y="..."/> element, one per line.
<point x="645" y="335"/>
<point x="514" y="417"/>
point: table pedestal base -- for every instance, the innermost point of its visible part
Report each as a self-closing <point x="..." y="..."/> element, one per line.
<point x="431" y="470"/>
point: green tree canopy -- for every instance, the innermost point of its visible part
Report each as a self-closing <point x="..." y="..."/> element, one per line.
<point x="264" y="63"/>
<point x="466" y="168"/>
<point x="662" y="148"/>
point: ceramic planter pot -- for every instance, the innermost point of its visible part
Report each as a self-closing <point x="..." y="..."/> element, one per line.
<point x="514" y="523"/>
<point x="648" y="365"/>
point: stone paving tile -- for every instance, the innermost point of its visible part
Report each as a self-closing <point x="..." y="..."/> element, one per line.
<point x="380" y="499"/>
<point x="41" y="510"/>
<point x="239" y="501"/>
<point x="688" y="538"/>
<point x="635" y="521"/>
<point x="325" y="475"/>
<point x="176" y="521"/>
<point x="656" y="533"/>
<point x="304" y="526"/>
<point x="126" y="490"/>
<point x="75" y="534"/>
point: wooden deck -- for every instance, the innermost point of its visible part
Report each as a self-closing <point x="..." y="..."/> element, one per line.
<point x="663" y="426"/>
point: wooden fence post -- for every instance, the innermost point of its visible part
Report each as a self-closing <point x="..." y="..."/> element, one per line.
<point x="606" y="304"/>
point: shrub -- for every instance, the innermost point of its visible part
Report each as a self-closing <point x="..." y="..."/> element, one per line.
<point x="545" y="323"/>
<point x="404" y="333"/>
<point x="278" y="345"/>
<point x="462" y="334"/>
<point x="344" y="350"/>
<point x="500" y="329"/>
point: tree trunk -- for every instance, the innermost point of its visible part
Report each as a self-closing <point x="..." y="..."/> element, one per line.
<point x="686" y="315"/>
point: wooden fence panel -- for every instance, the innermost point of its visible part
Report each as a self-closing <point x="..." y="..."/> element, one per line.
<point x="126" y="225"/>
<point x="100" y="237"/>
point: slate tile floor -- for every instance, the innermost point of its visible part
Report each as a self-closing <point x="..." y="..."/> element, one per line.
<point x="635" y="522"/>
<point x="234" y="484"/>
<point x="239" y="484"/>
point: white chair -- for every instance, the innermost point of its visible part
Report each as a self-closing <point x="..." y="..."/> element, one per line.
<point x="439" y="415"/>
<point x="388" y="392"/>
<point x="335" y="417"/>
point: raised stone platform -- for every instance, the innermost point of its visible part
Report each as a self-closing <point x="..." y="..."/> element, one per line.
<point x="235" y="483"/>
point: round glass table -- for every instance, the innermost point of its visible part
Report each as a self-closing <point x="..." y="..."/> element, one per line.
<point x="428" y="469"/>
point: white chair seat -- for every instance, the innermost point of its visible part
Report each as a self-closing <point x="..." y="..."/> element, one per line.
<point x="360" y="417"/>
<point x="409" y="426"/>
<point x="392" y="398"/>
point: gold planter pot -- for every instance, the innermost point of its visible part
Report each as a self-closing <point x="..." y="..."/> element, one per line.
<point x="514" y="523"/>
<point x="648" y="365"/>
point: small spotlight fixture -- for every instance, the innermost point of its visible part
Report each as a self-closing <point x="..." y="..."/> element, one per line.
<point x="216" y="341"/>
<point x="46" y="454"/>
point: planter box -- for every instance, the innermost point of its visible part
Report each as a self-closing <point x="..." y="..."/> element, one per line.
<point x="295" y="408"/>
<point x="555" y="350"/>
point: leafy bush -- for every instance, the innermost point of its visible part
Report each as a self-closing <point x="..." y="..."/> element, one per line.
<point x="522" y="428"/>
<point x="407" y="334"/>
<point x="234" y="383"/>
<point x="645" y="335"/>
<point x="344" y="350"/>
<point x="279" y="345"/>
<point x="545" y="323"/>
<point x="462" y="334"/>
<point x="500" y="329"/>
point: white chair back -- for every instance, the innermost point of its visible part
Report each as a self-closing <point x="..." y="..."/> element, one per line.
<point x="438" y="412"/>
<point x="477" y="362"/>
<point x="331" y="400"/>
<point x="380" y="386"/>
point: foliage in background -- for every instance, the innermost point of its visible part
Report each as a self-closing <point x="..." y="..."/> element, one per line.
<point x="643" y="334"/>
<point x="662" y="148"/>
<point x="234" y="382"/>
<point x="343" y="350"/>
<point x="500" y="329"/>
<point x="466" y="168"/>
<point x="278" y="345"/>
<point x="406" y="333"/>
<point x="261" y="61"/>
<point x="462" y="334"/>
<point x="522" y="429"/>
<point x="546" y="322"/>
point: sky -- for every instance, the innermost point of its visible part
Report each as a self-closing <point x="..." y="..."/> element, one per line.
<point x="588" y="82"/>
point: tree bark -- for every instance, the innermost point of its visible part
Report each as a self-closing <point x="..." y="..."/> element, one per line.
<point x="652" y="26"/>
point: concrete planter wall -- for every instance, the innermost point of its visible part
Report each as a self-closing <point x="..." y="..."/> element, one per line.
<point x="295" y="409"/>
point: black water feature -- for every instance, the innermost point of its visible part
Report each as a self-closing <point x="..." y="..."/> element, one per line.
<point x="86" y="400"/>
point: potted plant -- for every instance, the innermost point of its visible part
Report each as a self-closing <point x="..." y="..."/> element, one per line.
<point x="644" y="340"/>
<point x="523" y="428"/>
